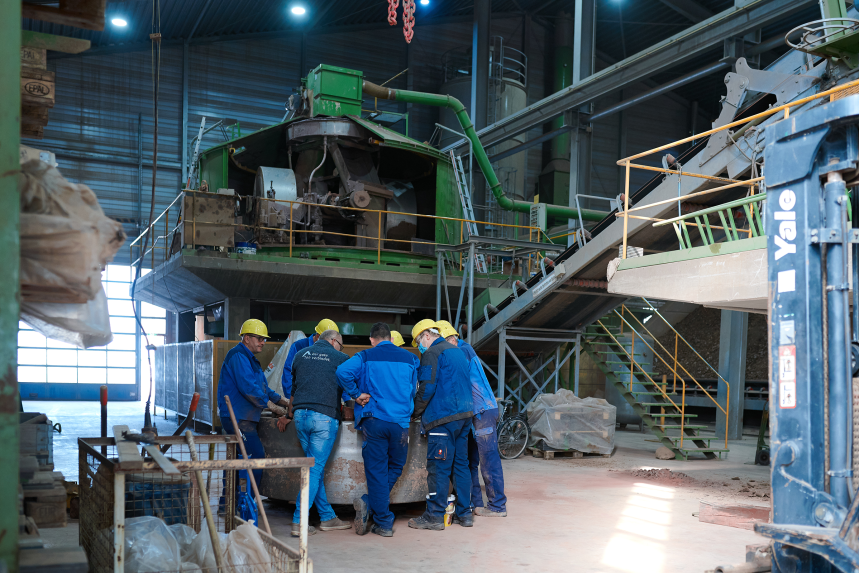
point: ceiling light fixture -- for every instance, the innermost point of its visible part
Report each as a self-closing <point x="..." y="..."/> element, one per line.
<point x="119" y="22"/>
<point x="298" y="10"/>
<point x="425" y="2"/>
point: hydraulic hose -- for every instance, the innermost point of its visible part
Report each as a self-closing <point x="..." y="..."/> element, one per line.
<point x="376" y="91"/>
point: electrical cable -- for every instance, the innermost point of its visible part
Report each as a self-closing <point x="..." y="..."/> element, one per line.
<point x="155" y="36"/>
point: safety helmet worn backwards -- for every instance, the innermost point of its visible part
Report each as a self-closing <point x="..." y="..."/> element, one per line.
<point x="326" y="324"/>
<point x="254" y="326"/>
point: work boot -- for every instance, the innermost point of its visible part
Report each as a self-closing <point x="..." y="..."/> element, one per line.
<point x="333" y="524"/>
<point x="486" y="512"/>
<point x="465" y="521"/>
<point x="362" y="515"/>
<point x="424" y="522"/>
<point x="296" y="530"/>
<point x="377" y="529"/>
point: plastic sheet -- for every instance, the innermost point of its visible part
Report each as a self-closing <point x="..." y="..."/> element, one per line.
<point x="564" y="422"/>
<point x="66" y="241"/>
<point x="274" y="371"/>
<point x="150" y="546"/>
<point x="246" y="552"/>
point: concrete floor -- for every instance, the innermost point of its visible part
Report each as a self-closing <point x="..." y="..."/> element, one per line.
<point x="591" y="514"/>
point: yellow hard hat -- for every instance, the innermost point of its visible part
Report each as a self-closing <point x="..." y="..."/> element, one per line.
<point x="254" y="326"/>
<point x="446" y="329"/>
<point x="397" y="338"/>
<point x="420" y="327"/>
<point x="326" y="324"/>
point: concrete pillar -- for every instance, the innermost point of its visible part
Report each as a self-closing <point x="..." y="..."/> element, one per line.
<point x="236" y="311"/>
<point x="479" y="87"/>
<point x="732" y="367"/>
<point x="584" y="36"/>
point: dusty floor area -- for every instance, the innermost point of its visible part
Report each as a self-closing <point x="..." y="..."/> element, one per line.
<point x="593" y="514"/>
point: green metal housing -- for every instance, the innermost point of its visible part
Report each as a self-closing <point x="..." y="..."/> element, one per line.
<point x="335" y="91"/>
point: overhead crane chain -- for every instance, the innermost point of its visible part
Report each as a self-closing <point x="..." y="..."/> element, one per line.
<point x="408" y="17"/>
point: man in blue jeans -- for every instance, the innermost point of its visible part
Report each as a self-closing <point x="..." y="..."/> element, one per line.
<point x="243" y="380"/>
<point x="389" y="375"/>
<point x="444" y="402"/>
<point x="316" y="410"/>
<point x="483" y="456"/>
<point x="301" y="344"/>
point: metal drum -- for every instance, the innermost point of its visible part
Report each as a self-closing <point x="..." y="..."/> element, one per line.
<point x="344" y="473"/>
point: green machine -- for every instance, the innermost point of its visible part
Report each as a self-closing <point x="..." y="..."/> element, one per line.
<point x="326" y="209"/>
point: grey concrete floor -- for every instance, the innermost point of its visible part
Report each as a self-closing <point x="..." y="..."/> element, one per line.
<point x="590" y="514"/>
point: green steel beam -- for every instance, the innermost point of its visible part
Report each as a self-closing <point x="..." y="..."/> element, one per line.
<point x="373" y="90"/>
<point x="10" y="204"/>
<point x="54" y="43"/>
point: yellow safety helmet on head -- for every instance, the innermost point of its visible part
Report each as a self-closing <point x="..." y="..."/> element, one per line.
<point x="254" y="326"/>
<point x="397" y="338"/>
<point x="326" y="324"/>
<point x="446" y="329"/>
<point x="425" y="324"/>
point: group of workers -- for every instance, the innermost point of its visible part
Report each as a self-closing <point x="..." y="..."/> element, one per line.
<point x="446" y="390"/>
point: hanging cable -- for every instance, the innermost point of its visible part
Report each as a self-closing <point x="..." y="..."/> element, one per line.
<point x="155" y="37"/>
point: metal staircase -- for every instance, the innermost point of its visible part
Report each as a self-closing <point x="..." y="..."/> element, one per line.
<point x="467" y="208"/>
<point x="661" y="406"/>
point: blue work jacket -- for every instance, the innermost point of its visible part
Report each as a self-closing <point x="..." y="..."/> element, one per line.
<point x="243" y="380"/>
<point x="444" y="386"/>
<point x="286" y="378"/>
<point x="390" y="376"/>
<point x="481" y="391"/>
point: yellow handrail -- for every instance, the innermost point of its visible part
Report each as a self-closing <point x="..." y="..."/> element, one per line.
<point x="626" y="162"/>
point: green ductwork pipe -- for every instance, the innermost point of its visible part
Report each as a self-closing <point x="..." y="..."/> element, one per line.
<point x="557" y="211"/>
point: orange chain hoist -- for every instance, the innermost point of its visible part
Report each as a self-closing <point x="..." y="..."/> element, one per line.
<point x="408" y="17"/>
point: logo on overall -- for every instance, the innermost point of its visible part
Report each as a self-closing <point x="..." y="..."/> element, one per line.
<point x="786" y="219"/>
<point x="37" y="89"/>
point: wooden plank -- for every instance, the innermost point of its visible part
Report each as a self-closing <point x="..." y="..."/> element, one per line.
<point x="166" y="465"/>
<point x="88" y="14"/>
<point x="37" y="87"/>
<point x="33" y="132"/>
<point x="34" y="57"/>
<point x="129" y="455"/>
<point x="52" y="514"/>
<point x="740" y="516"/>
<point x="240" y="464"/>
<point x="53" y="43"/>
<point x="56" y="560"/>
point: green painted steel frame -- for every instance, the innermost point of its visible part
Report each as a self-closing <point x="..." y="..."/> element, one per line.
<point x="10" y="205"/>
<point x="702" y="222"/>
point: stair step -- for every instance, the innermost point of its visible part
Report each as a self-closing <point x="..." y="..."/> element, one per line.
<point x="654" y="394"/>
<point x="661" y="404"/>
<point x="611" y="353"/>
<point x="677" y="427"/>
<point x="671" y="415"/>
<point x="702" y="450"/>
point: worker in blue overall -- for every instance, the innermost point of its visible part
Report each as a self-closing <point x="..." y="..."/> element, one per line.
<point x="301" y="344"/>
<point x="444" y="403"/>
<point x="242" y="379"/>
<point x="483" y="442"/>
<point x="389" y="375"/>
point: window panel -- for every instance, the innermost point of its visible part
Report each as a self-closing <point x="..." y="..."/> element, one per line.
<point x="117" y="290"/>
<point x="150" y="310"/>
<point x="24" y="326"/>
<point x="122" y="359"/>
<point x="92" y="357"/>
<point x="119" y="273"/>
<point x="57" y="344"/>
<point x="60" y="375"/>
<point x="154" y="326"/>
<point x="34" y="356"/>
<point x="92" y="375"/>
<point x="30" y="338"/>
<point x="120" y="308"/>
<point x="62" y="357"/>
<point x="120" y="376"/>
<point x="121" y="324"/>
<point x="32" y="374"/>
<point x="122" y="342"/>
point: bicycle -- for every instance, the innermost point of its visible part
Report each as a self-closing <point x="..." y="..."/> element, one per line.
<point x="513" y="431"/>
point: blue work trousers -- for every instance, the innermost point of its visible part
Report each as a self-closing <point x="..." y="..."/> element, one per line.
<point x="385" y="448"/>
<point x="317" y="433"/>
<point x="253" y="446"/>
<point x="447" y="457"/>
<point x="483" y="454"/>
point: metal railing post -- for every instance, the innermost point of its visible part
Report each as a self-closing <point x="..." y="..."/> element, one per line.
<point x="578" y="361"/>
<point x="631" y="361"/>
<point x="379" y="241"/>
<point x="502" y="362"/>
<point x="676" y="340"/>
<point x="118" y="522"/>
<point x="438" y="286"/>
<point x="304" y="518"/>
<point x="625" y="209"/>
<point x="471" y="269"/>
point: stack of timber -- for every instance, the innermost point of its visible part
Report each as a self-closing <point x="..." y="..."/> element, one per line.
<point x="38" y="90"/>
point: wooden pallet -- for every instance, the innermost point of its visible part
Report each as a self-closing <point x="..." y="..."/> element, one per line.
<point x="551" y="454"/>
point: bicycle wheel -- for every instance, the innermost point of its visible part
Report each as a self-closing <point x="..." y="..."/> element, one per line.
<point x="512" y="438"/>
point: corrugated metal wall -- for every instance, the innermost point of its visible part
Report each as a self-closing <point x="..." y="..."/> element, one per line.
<point x="94" y="127"/>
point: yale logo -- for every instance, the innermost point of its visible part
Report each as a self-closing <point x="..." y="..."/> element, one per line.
<point x="786" y="219"/>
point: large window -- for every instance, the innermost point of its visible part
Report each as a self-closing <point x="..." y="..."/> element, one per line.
<point x="42" y="360"/>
